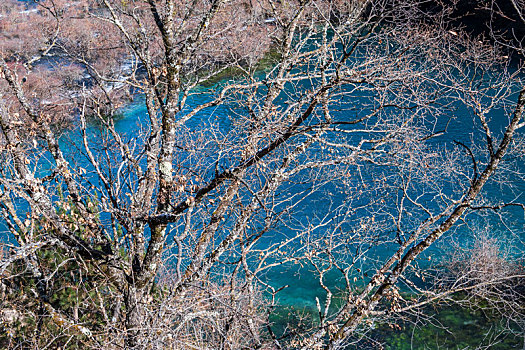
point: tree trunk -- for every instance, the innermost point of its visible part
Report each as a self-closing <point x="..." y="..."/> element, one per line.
<point x="135" y="316"/>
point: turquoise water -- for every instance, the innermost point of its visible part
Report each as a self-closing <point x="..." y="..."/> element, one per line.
<point x="302" y="287"/>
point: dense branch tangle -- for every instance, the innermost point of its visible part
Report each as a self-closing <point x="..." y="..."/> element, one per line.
<point x="307" y="98"/>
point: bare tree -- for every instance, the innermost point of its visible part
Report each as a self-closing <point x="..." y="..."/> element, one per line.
<point x="326" y="138"/>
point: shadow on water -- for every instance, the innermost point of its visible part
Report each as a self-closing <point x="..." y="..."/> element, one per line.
<point x="450" y="327"/>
